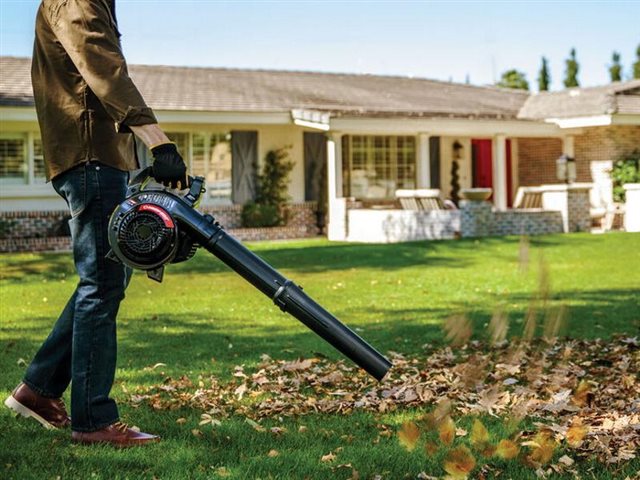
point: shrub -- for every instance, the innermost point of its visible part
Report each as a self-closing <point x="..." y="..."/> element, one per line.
<point x="269" y="207"/>
<point x="260" y="215"/>
<point x="625" y="170"/>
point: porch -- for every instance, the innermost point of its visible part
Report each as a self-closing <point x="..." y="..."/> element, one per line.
<point x="368" y="164"/>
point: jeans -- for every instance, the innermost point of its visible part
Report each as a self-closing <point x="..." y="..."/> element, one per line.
<point x="81" y="349"/>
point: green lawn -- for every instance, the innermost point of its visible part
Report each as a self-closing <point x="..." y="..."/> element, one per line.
<point x="205" y="320"/>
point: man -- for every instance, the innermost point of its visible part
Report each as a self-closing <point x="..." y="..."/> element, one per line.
<point x="87" y="109"/>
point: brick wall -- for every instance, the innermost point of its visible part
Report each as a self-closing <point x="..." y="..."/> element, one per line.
<point x="606" y="143"/>
<point x="229" y="216"/>
<point x="48" y="231"/>
<point x="479" y="219"/>
<point x="537" y="160"/>
<point x="34" y="224"/>
<point x="48" y="244"/>
<point x="537" y="156"/>
<point x="523" y="222"/>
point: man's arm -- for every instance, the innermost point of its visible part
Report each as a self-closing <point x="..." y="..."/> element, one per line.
<point x="86" y="31"/>
<point x="168" y="166"/>
<point x="151" y="135"/>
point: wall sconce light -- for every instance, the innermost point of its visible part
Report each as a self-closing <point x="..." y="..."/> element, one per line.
<point x="566" y="168"/>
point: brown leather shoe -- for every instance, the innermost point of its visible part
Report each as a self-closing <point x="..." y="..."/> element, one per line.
<point x="50" y="412"/>
<point x="118" y="434"/>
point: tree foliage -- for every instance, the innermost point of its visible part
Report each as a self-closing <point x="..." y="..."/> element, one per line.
<point x="514" y="79"/>
<point x="615" y="70"/>
<point x="636" y="65"/>
<point x="625" y="170"/>
<point x="544" y="77"/>
<point x="572" y="69"/>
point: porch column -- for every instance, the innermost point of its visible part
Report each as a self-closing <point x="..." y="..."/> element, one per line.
<point x="500" y="172"/>
<point x="337" y="211"/>
<point x="423" y="162"/>
<point x="568" y="146"/>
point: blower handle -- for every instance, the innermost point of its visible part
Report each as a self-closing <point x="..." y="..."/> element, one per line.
<point x="192" y="197"/>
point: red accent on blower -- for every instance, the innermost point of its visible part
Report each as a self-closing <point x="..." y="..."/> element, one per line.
<point x="166" y="218"/>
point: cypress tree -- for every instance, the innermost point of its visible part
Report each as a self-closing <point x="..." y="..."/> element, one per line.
<point x="571" y="74"/>
<point x="636" y="65"/>
<point x="544" y="78"/>
<point x="615" y="70"/>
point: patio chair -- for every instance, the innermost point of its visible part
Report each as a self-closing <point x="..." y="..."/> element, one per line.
<point x="603" y="210"/>
<point x="408" y="200"/>
<point x="429" y="198"/>
<point x="528" y="197"/>
<point x="420" y="199"/>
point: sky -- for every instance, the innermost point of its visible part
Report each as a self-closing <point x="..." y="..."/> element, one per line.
<point x="450" y="41"/>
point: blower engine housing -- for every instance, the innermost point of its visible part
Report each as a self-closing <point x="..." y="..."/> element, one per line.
<point x="144" y="234"/>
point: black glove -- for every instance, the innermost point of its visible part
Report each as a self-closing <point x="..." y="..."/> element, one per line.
<point x="168" y="166"/>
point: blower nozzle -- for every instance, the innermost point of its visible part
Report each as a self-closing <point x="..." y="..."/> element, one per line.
<point x="155" y="226"/>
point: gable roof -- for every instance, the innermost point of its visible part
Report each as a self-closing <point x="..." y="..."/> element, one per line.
<point x="616" y="98"/>
<point x="241" y="90"/>
<point x="222" y="89"/>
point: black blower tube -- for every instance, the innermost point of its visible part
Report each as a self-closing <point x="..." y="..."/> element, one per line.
<point x="285" y="294"/>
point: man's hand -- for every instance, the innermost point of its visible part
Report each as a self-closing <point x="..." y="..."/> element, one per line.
<point x="168" y="166"/>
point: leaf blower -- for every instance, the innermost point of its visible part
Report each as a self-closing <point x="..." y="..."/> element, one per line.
<point x="155" y="226"/>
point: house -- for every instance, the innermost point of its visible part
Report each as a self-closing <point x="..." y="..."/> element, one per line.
<point x="377" y="133"/>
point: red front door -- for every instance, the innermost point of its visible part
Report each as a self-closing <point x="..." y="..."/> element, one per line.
<point x="482" y="158"/>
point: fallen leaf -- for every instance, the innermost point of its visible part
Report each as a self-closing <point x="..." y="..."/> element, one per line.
<point x="447" y="430"/>
<point x="479" y="437"/>
<point x="431" y="448"/>
<point x="273" y="453"/>
<point x="299" y="365"/>
<point x="459" y="462"/>
<point x="583" y="395"/>
<point x="181" y="421"/>
<point x="498" y="326"/>
<point x="565" y="460"/>
<point x="240" y="391"/>
<point x="329" y="457"/>
<point x="255" y="425"/>
<point x="542" y="448"/>
<point x="277" y="431"/>
<point x="523" y="253"/>
<point x="458" y="330"/>
<point x="507" y="450"/>
<point x="408" y="435"/>
<point x="223" y="472"/>
<point x="575" y="434"/>
<point x="554" y="321"/>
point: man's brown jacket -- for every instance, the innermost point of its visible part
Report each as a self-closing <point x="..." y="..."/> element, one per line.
<point x="83" y="94"/>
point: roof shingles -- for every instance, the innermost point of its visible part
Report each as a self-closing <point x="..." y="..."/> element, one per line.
<point x="619" y="97"/>
<point x="220" y="89"/>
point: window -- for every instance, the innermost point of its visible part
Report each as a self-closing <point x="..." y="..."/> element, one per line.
<point x="13" y="160"/>
<point x="39" y="173"/>
<point x="21" y="160"/>
<point x="207" y="155"/>
<point x="375" y="166"/>
<point x="211" y="158"/>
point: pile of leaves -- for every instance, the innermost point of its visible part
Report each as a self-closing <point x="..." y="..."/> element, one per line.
<point x="578" y="394"/>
